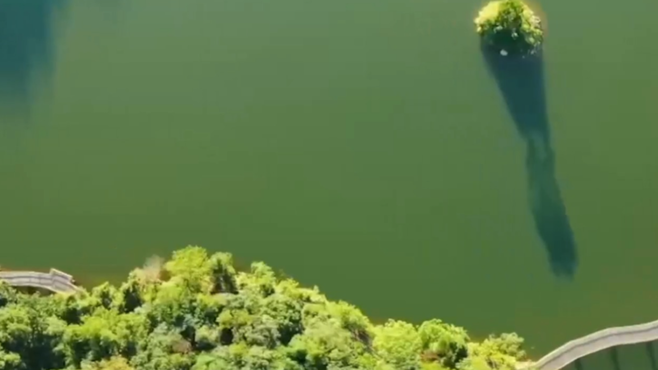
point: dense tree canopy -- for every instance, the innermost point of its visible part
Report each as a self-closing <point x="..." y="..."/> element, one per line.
<point x="196" y="312"/>
<point x="511" y="27"/>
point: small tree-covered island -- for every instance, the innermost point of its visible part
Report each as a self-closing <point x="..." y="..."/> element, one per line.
<point x="510" y="27"/>
<point x="196" y="312"/>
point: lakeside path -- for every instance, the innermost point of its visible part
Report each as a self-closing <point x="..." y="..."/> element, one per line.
<point x="592" y="343"/>
<point x="54" y="281"/>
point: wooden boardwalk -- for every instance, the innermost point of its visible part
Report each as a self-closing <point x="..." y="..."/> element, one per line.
<point x="595" y="342"/>
<point x="54" y="281"/>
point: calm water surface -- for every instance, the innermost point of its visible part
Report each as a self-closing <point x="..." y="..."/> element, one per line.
<point x="363" y="146"/>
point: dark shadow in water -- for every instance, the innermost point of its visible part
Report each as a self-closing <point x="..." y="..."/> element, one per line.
<point x="521" y="82"/>
<point x="579" y="364"/>
<point x="26" y="48"/>
<point x="614" y="357"/>
<point x="652" y="355"/>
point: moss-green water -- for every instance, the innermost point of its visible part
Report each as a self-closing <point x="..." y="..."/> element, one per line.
<point x="360" y="146"/>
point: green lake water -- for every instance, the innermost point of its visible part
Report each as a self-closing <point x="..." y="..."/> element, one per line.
<point x="361" y="146"/>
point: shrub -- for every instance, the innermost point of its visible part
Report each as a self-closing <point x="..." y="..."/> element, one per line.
<point x="510" y="27"/>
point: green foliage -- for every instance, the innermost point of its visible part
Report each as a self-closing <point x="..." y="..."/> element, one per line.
<point x="7" y="294"/>
<point x="445" y="342"/>
<point x="198" y="313"/>
<point x="511" y="27"/>
<point x="498" y="352"/>
<point x="103" y="334"/>
<point x="113" y="363"/>
<point x="398" y="343"/>
<point x="30" y="332"/>
<point x="509" y="344"/>
<point x="10" y="361"/>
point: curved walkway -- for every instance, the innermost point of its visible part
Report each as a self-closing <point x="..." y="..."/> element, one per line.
<point x="55" y="280"/>
<point x="596" y="342"/>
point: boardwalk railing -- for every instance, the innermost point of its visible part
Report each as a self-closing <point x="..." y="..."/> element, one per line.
<point x="596" y="342"/>
<point x="55" y="280"/>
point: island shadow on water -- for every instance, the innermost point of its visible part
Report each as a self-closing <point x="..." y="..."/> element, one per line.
<point x="521" y="82"/>
<point x="26" y="50"/>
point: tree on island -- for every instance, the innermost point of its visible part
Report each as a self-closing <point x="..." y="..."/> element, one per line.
<point x="197" y="312"/>
<point x="510" y="27"/>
